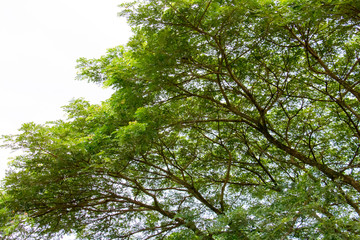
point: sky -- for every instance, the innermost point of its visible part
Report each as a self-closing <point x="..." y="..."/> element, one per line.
<point x="40" y="41"/>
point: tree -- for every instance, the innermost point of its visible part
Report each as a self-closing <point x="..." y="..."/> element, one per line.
<point x="231" y="120"/>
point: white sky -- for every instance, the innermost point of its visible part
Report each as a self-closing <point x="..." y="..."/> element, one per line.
<point x="40" y="41"/>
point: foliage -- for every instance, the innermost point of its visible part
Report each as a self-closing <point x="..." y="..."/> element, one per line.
<point x="231" y="119"/>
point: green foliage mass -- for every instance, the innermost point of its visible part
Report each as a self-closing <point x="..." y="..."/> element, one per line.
<point x="231" y="119"/>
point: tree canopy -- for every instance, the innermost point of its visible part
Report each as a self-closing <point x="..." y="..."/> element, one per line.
<point x="231" y="119"/>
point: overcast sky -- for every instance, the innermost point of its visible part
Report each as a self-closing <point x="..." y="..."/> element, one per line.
<point x="40" y="41"/>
